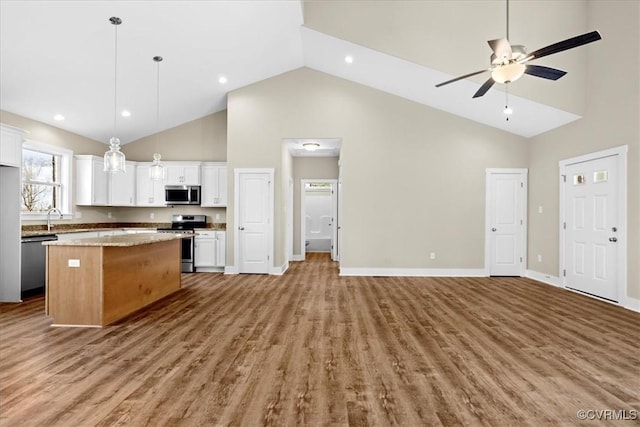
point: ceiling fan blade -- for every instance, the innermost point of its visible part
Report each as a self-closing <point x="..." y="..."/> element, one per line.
<point x="501" y="48"/>
<point x="460" y="78"/>
<point x="544" y="72"/>
<point x="565" y="45"/>
<point x="484" y="88"/>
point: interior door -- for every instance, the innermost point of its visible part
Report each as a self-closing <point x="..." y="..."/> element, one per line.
<point x="591" y="242"/>
<point x="506" y="222"/>
<point x="254" y="222"/>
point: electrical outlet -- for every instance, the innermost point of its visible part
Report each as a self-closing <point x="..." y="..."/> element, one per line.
<point x="218" y="217"/>
<point x="152" y="215"/>
<point x="73" y="263"/>
<point x="78" y="215"/>
<point x="109" y="215"/>
<point x="539" y="209"/>
<point x="432" y="255"/>
<point x="539" y="258"/>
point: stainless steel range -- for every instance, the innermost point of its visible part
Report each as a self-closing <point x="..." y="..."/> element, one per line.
<point x="185" y="224"/>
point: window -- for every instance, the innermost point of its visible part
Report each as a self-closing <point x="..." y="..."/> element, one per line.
<point x="45" y="179"/>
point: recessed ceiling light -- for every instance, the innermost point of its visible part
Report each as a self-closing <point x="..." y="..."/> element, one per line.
<point x="126" y="113"/>
<point x="58" y="117"/>
<point x="311" y="146"/>
<point x="348" y="59"/>
<point x="222" y="79"/>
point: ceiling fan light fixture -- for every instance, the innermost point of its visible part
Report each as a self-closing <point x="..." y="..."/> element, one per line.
<point x="508" y="73"/>
<point x="311" y="146"/>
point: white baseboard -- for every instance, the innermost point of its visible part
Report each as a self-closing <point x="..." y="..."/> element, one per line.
<point x="297" y="258"/>
<point x="628" y="303"/>
<point x="414" y="272"/>
<point x="231" y="269"/>
<point x="544" y="278"/>
<point x="279" y="271"/>
<point x="632" y="304"/>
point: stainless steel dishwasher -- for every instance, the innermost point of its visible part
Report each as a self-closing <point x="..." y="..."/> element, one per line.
<point x="33" y="264"/>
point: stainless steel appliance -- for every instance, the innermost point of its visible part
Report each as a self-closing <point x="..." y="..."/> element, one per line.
<point x="33" y="262"/>
<point x="186" y="224"/>
<point x="182" y="194"/>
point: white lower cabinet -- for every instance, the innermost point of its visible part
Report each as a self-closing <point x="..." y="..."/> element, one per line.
<point x="210" y="250"/>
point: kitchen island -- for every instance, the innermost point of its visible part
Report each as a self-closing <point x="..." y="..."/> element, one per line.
<point x="96" y="281"/>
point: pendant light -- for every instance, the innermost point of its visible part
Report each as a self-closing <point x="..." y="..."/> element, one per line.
<point x="156" y="171"/>
<point x="114" y="158"/>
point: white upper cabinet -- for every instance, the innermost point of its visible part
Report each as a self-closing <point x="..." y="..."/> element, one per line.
<point x="214" y="185"/>
<point x="149" y="192"/>
<point x="95" y="187"/>
<point x="10" y="146"/>
<point x="91" y="181"/>
<point x="122" y="186"/>
<point x="182" y="173"/>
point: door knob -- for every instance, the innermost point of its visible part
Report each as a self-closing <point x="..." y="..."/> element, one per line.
<point x="240" y="228"/>
<point x="494" y="229"/>
<point x="613" y="239"/>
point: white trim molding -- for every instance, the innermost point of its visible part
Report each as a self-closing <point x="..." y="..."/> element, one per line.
<point x="279" y="271"/>
<point x="231" y="269"/>
<point x="414" y="272"/>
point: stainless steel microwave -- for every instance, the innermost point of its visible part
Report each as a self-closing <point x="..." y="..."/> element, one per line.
<point x="182" y="194"/>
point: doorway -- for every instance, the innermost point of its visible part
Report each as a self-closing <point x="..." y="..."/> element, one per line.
<point x="593" y="223"/>
<point x="506" y="222"/>
<point x="253" y="241"/>
<point x="319" y="218"/>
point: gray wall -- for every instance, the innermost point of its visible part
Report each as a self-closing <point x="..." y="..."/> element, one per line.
<point x="413" y="176"/>
<point x="611" y="119"/>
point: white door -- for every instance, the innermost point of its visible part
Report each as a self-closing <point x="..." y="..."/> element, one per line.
<point x="335" y="222"/>
<point x="506" y="200"/>
<point x="591" y="226"/>
<point x="254" y="204"/>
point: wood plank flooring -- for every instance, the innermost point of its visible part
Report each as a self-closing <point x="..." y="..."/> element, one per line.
<point x="312" y="348"/>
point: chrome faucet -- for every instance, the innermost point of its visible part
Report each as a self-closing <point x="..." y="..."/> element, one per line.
<point x="49" y="217"/>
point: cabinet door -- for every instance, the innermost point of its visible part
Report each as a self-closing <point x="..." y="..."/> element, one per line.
<point x="174" y="174"/>
<point x="214" y="185"/>
<point x="191" y="175"/>
<point x="148" y="192"/>
<point x="122" y="186"/>
<point x="99" y="179"/>
<point x="205" y="252"/>
<point x="10" y="147"/>
<point x="221" y="249"/>
<point x="182" y="174"/>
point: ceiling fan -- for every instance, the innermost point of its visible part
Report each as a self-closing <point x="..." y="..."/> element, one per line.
<point x="509" y="62"/>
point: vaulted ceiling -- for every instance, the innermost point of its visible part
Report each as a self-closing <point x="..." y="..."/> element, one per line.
<point x="58" y="57"/>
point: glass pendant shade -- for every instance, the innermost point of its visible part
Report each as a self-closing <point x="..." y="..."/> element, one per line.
<point x="156" y="170"/>
<point x="114" y="160"/>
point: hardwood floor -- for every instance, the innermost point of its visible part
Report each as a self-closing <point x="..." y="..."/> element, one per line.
<point x="313" y="348"/>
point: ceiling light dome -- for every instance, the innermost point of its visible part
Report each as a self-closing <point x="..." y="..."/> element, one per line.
<point x="311" y="146"/>
<point x="508" y="73"/>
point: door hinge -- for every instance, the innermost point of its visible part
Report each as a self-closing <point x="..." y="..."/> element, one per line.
<point x="520" y="222"/>
<point x="564" y="178"/>
<point x="564" y="273"/>
<point x="564" y="225"/>
<point x="522" y="185"/>
<point x="520" y="259"/>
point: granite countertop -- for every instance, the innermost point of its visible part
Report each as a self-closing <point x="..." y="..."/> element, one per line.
<point x="122" y="240"/>
<point x="40" y="230"/>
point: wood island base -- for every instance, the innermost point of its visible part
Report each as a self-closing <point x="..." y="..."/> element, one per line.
<point x="95" y="285"/>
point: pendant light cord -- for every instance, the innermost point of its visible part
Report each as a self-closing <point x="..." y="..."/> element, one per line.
<point x="158" y="107"/>
<point x="115" y="85"/>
